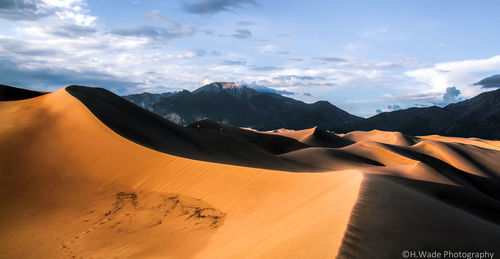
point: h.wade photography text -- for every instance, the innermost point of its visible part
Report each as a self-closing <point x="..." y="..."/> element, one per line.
<point x="447" y="254"/>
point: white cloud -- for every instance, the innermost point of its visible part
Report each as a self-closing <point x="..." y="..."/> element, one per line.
<point x="461" y="74"/>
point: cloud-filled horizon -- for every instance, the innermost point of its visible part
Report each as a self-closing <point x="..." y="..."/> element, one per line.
<point x="362" y="56"/>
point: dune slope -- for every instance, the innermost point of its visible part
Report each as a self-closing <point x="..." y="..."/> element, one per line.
<point x="73" y="187"/>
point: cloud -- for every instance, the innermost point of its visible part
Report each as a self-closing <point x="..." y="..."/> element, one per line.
<point x="160" y="34"/>
<point x="307" y="94"/>
<point x="451" y="95"/>
<point x="265" y="68"/>
<point x="462" y="74"/>
<point x="302" y="81"/>
<point x="215" y="53"/>
<point x="490" y="82"/>
<point x="215" y="6"/>
<point x="195" y="53"/>
<point x="156" y="15"/>
<point x="430" y="98"/>
<point x="213" y="33"/>
<point x="25" y="9"/>
<point x="31" y="10"/>
<point x="245" y="23"/>
<point x="390" y="108"/>
<point x="39" y="78"/>
<point x="283" y="52"/>
<point x="242" y="34"/>
<point x="330" y="59"/>
<point x="394" y="107"/>
<point x="265" y="89"/>
<point x="70" y="31"/>
<point x="292" y="77"/>
<point x="233" y="63"/>
<point x="10" y="46"/>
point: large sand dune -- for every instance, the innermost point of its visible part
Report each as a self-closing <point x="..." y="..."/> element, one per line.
<point x="77" y="182"/>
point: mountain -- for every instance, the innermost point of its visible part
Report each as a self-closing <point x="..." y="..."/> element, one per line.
<point x="242" y="106"/>
<point x="475" y="117"/>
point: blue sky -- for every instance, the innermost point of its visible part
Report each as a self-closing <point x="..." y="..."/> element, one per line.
<point x="362" y="56"/>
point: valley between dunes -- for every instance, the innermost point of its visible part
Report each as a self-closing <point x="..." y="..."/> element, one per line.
<point x="71" y="187"/>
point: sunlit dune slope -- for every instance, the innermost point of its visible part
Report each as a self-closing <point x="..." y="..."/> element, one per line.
<point x="387" y="137"/>
<point x="71" y="186"/>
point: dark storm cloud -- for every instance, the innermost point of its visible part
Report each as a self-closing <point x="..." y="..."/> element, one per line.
<point x="215" y="6"/>
<point x="490" y="82"/>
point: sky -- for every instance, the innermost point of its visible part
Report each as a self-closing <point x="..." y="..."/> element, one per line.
<point x="365" y="57"/>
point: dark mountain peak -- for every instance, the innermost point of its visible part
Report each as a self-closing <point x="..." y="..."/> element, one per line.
<point x="218" y="86"/>
<point x="235" y="89"/>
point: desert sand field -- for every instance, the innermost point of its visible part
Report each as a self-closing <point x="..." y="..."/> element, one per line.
<point x="72" y="187"/>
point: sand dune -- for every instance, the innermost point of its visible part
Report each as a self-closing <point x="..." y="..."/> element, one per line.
<point x="386" y="137"/>
<point x="150" y="130"/>
<point x="95" y="177"/>
<point x="9" y="93"/>
<point x="64" y="173"/>
<point x="330" y="158"/>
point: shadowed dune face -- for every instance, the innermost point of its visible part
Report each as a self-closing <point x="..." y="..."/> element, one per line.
<point x="9" y="93"/>
<point x="98" y="177"/>
<point x="396" y="214"/>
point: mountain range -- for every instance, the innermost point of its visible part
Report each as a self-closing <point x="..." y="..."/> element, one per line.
<point x="476" y="117"/>
<point x="242" y="106"/>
